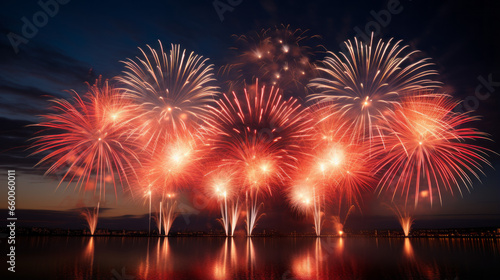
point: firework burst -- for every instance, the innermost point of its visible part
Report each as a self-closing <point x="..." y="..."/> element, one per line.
<point x="171" y="91"/>
<point x="338" y="162"/>
<point x="86" y="139"/>
<point x="277" y="56"/>
<point x="427" y="147"/>
<point x="365" y="83"/>
<point x="258" y="134"/>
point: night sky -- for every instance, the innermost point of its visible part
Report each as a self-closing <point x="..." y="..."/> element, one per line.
<point x="85" y="39"/>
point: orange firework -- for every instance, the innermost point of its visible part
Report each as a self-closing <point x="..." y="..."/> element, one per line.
<point x="222" y="185"/>
<point x="333" y="170"/>
<point x="340" y="162"/>
<point x="308" y="196"/>
<point x="168" y="167"/>
<point x="365" y="84"/>
<point x="427" y="147"/>
<point x="258" y="134"/>
<point x="86" y="138"/>
<point x="171" y="91"/>
<point x="173" y="163"/>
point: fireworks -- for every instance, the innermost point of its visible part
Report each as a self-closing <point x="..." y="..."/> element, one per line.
<point x="223" y="187"/>
<point x="375" y="121"/>
<point x="279" y="56"/>
<point x="166" y="168"/>
<point x="427" y="144"/>
<point x="259" y="134"/>
<point x="86" y="138"/>
<point x="339" y="162"/>
<point x="171" y="91"/>
<point x="91" y="217"/>
<point x="365" y="84"/>
<point x="405" y="219"/>
<point x="307" y="197"/>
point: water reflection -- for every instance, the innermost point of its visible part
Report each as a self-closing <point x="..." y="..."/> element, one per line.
<point x="257" y="258"/>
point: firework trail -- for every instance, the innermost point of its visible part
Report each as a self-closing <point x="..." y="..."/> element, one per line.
<point x="427" y="144"/>
<point x="91" y="217"/>
<point x="169" y="213"/>
<point x="258" y="134"/>
<point x="307" y="197"/>
<point x="169" y="166"/>
<point x="365" y="83"/>
<point x="234" y="214"/>
<point x="405" y="219"/>
<point x="171" y="92"/>
<point x="223" y="187"/>
<point x="278" y="56"/>
<point x="334" y="169"/>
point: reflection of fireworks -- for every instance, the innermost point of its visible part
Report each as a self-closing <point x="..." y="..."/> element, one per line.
<point x="259" y="136"/>
<point x="365" y="83"/>
<point x="171" y="91"/>
<point x="426" y="142"/>
<point x="279" y="56"/>
<point x="91" y="218"/>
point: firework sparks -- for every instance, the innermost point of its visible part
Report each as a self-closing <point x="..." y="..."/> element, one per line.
<point x="405" y="219"/>
<point x="337" y="162"/>
<point x="427" y="143"/>
<point x="221" y="186"/>
<point x="91" y="217"/>
<point x="279" y="56"/>
<point x="365" y="83"/>
<point x="86" y="138"/>
<point x="260" y="136"/>
<point x="171" y="91"/>
<point x="307" y="197"/>
<point x="165" y="169"/>
<point x="169" y="213"/>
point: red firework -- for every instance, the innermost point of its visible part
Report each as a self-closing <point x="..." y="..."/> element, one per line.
<point x="338" y="161"/>
<point x="260" y="135"/>
<point x="428" y="146"/>
<point x="172" y="165"/>
<point x="86" y="138"/>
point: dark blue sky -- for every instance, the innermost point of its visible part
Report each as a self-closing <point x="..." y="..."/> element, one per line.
<point x="85" y="39"/>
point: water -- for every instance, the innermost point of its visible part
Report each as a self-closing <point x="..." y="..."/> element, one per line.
<point x="257" y="258"/>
